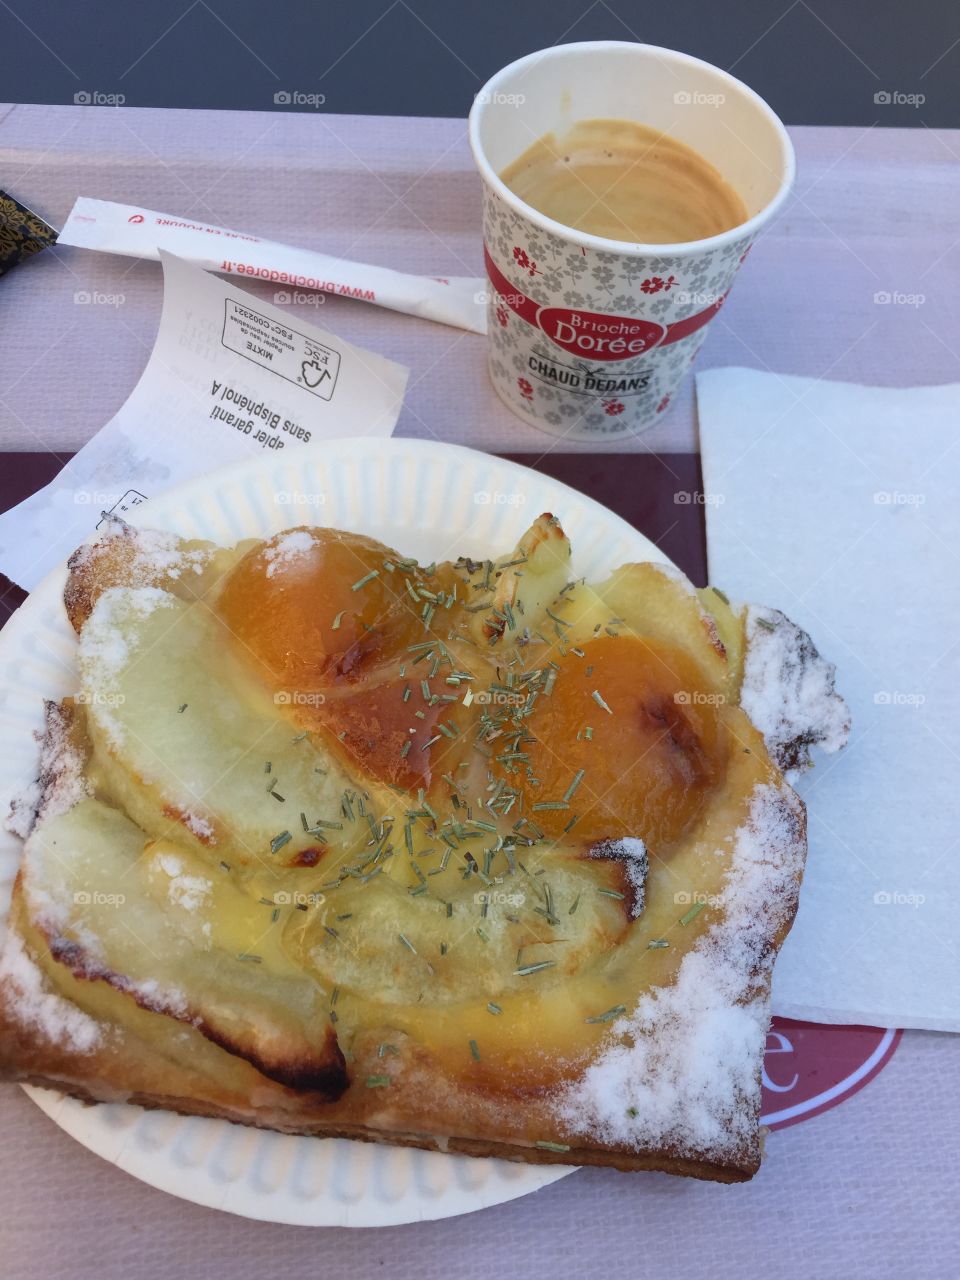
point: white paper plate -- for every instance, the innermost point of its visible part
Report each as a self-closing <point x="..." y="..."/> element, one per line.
<point x="429" y="500"/>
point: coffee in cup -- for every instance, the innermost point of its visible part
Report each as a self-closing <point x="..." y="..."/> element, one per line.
<point x="625" y="181"/>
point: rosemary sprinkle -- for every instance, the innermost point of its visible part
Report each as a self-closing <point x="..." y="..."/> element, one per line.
<point x="692" y="913"/>
<point x="609" y="1015"/>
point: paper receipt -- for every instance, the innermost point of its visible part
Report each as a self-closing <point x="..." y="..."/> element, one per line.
<point x="228" y="376"/>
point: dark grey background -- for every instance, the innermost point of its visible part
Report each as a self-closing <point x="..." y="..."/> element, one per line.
<point x="823" y="62"/>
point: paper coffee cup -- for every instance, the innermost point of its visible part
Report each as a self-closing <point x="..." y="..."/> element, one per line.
<point x="589" y="338"/>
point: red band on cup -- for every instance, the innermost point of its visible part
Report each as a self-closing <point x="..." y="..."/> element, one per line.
<point x="592" y="333"/>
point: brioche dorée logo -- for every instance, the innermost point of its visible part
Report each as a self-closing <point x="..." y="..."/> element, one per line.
<point x="594" y="335"/>
<point x="809" y="1067"/>
<point x="601" y="337"/>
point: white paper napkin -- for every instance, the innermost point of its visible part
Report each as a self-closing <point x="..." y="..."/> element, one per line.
<point x="840" y="505"/>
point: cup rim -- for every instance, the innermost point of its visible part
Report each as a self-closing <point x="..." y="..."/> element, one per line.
<point x="683" y="248"/>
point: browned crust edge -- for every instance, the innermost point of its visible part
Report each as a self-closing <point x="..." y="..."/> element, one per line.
<point x="322" y="1076"/>
<point x="641" y="1161"/>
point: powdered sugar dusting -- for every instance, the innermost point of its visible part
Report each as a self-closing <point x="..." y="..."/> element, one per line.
<point x="105" y="649"/>
<point x="155" y="554"/>
<point x="60" y="783"/>
<point x="290" y="545"/>
<point x="632" y="852"/>
<point x="189" y="892"/>
<point x="162" y="554"/>
<point x="39" y="1008"/>
<point x="152" y="995"/>
<point x="688" y="1076"/>
<point x="23" y="810"/>
<point x="788" y="690"/>
<point x="200" y="827"/>
<point x="673" y="573"/>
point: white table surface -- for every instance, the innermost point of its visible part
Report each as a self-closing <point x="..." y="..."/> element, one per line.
<point x="865" y="1190"/>
<point x="874" y="211"/>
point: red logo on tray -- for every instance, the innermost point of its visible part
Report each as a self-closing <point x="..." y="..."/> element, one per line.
<point x="135" y="217"/>
<point x="593" y="334"/>
<point x="809" y="1067"/>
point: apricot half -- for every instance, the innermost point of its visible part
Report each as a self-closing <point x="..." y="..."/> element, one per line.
<point x="629" y="743"/>
<point x="313" y="606"/>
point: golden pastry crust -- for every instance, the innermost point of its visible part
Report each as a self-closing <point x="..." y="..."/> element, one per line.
<point x="125" y="1067"/>
<point x="530" y="907"/>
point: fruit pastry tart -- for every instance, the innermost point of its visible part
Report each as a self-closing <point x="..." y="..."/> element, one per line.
<point x="473" y="856"/>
